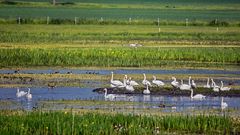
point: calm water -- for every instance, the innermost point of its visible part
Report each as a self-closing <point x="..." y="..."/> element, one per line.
<point x="73" y="93"/>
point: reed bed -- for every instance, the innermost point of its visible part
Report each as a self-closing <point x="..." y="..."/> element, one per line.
<point x="117" y="57"/>
<point x="93" y="123"/>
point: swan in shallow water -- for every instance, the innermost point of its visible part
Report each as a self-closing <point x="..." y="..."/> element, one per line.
<point x="20" y="93"/>
<point x="146" y="91"/>
<point x="223" y="104"/>
<point x="108" y="96"/>
<point x="145" y="81"/>
<point x="29" y="95"/>
<point x="174" y="83"/>
<point x="197" y="96"/>
<point x="186" y="86"/>
<point x="207" y="85"/>
<point x="157" y="82"/>
<point x="115" y="83"/>
<point x="224" y="88"/>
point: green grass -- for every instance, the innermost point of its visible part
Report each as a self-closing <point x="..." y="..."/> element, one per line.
<point x="117" y="57"/>
<point x="120" y="34"/>
<point x="92" y="123"/>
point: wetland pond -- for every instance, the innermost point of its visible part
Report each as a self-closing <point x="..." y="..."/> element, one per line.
<point x="164" y="103"/>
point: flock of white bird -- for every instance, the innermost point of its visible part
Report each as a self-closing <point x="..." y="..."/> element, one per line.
<point x="129" y="85"/>
<point x="28" y="95"/>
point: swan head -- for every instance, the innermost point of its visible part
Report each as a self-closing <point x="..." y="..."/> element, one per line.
<point x="173" y="78"/>
<point x="130" y="78"/>
<point x="154" y="77"/>
<point x="192" y="81"/>
<point x="105" y="89"/>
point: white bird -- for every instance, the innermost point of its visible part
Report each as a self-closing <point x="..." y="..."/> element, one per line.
<point x="109" y="96"/>
<point x="157" y="82"/>
<point x="127" y="85"/>
<point x="223" y="104"/>
<point x="197" y="96"/>
<point x="215" y="87"/>
<point x="145" y="81"/>
<point x="174" y="83"/>
<point x="224" y="88"/>
<point x="131" y="82"/>
<point x="213" y="84"/>
<point x="115" y="83"/>
<point x="193" y="85"/>
<point x="186" y="86"/>
<point x="20" y="93"/>
<point x="146" y="91"/>
<point x="29" y="95"/>
<point x="207" y="85"/>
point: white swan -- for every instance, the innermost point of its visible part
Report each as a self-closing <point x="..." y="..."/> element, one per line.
<point x="20" y="93"/>
<point x="215" y="87"/>
<point x="197" y="96"/>
<point x="127" y="85"/>
<point x="145" y="81"/>
<point x="109" y="96"/>
<point x="115" y="83"/>
<point x="224" y="88"/>
<point x="174" y="83"/>
<point x="146" y="91"/>
<point x="193" y="85"/>
<point x="131" y="82"/>
<point x="157" y="82"/>
<point x="213" y="84"/>
<point x="186" y="86"/>
<point x="207" y="85"/>
<point x="223" y="104"/>
<point x="29" y="95"/>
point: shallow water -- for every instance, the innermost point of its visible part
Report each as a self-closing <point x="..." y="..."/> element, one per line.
<point x="125" y="71"/>
<point x="179" y="103"/>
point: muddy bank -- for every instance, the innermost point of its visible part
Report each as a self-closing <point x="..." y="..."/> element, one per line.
<point x="172" y="92"/>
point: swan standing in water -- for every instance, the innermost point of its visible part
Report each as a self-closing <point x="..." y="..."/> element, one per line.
<point x="145" y="81"/>
<point x="146" y="91"/>
<point x="186" y="86"/>
<point x="197" y="96"/>
<point x="224" y="105"/>
<point x="116" y="83"/>
<point x="174" y="83"/>
<point x="20" y="93"/>
<point x="157" y="82"/>
<point x="224" y="88"/>
<point x="108" y="96"/>
<point x="29" y="95"/>
<point x="207" y="85"/>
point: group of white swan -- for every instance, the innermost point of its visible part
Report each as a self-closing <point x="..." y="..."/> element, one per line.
<point x="23" y="93"/>
<point x="129" y="84"/>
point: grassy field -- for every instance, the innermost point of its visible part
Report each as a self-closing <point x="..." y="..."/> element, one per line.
<point x="119" y="12"/>
<point x="119" y="34"/>
<point x="93" y="123"/>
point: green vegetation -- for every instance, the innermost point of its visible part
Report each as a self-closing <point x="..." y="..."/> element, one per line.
<point x="91" y="123"/>
<point x="116" y="57"/>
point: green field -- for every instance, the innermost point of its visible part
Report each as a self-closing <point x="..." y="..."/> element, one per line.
<point x="147" y="12"/>
<point x="94" y="123"/>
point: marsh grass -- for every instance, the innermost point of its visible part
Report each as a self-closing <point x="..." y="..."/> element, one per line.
<point x="93" y="123"/>
<point x="117" y="57"/>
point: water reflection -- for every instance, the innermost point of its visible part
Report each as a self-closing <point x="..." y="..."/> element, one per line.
<point x="165" y="103"/>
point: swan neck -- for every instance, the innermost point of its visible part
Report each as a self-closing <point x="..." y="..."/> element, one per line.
<point x="112" y="77"/>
